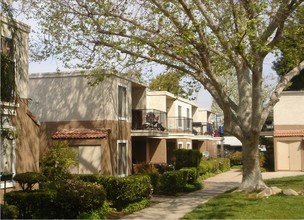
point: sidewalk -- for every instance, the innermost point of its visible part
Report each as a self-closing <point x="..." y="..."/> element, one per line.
<point x="177" y="207"/>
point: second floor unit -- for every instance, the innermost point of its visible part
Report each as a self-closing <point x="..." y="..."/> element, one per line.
<point x="70" y="96"/>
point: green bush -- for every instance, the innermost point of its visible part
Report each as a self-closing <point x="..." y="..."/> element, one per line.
<point x="29" y="179"/>
<point x="57" y="162"/>
<point x="236" y="158"/>
<point x="100" y="213"/>
<point x="92" y="178"/>
<point x="76" y="196"/>
<point x="134" y="207"/>
<point x="155" y="181"/>
<point x="9" y="212"/>
<point x="191" y="174"/>
<point x="37" y="204"/>
<point x="172" y="182"/>
<point x="187" y="158"/>
<point x="163" y="167"/>
<point x="214" y="165"/>
<point x="124" y="191"/>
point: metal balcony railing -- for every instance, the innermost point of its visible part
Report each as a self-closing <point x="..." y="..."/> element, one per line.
<point x="180" y="124"/>
<point x="149" y="119"/>
<point x="200" y="128"/>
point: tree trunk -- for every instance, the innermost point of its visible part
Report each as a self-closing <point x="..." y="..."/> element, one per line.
<point x="252" y="177"/>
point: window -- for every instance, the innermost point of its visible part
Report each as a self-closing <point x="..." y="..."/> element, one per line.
<point x="122" y="158"/>
<point x="180" y="145"/>
<point x="188" y="119"/>
<point x="7" y="70"/>
<point x="188" y="144"/>
<point x="122" y="102"/>
<point x="179" y="115"/>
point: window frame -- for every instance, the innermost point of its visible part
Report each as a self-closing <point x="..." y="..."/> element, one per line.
<point x="122" y="107"/>
<point x="126" y="158"/>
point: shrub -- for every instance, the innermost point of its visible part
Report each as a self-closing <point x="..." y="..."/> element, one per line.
<point x="76" y="196"/>
<point x="134" y="207"/>
<point x="92" y="178"/>
<point x="236" y="158"/>
<point x="155" y="181"/>
<point x="100" y="213"/>
<point x="191" y="174"/>
<point x="206" y="166"/>
<point x="9" y="212"/>
<point x="172" y="182"/>
<point x="164" y="167"/>
<point x="124" y="191"/>
<point x="214" y="165"/>
<point x="187" y="158"/>
<point x="33" y="204"/>
<point x="29" y="179"/>
<point x="57" y="162"/>
<point x="262" y="159"/>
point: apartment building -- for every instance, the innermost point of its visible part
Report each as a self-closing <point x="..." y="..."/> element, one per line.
<point x="19" y="128"/>
<point x="171" y="121"/>
<point x="95" y="120"/>
<point x="289" y="132"/>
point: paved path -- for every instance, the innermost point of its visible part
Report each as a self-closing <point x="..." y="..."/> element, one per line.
<point x="177" y="207"/>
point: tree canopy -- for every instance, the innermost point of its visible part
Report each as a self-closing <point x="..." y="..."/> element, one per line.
<point x="177" y="84"/>
<point x="207" y="40"/>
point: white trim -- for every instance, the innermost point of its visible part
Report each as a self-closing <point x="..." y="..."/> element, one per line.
<point x="126" y="101"/>
<point x="117" y="158"/>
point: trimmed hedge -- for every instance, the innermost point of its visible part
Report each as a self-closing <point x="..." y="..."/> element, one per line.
<point x="69" y="200"/>
<point x="37" y="204"/>
<point x="191" y="174"/>
<point x="187" y="158"/>
<point x="215" y="165"/>
<point x="172" y="182"/>
<point x="124" y="191"/>
<point x="29" y="179"/>
<point x="76" y="196"/>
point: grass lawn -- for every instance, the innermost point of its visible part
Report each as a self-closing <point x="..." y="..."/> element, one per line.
<point x="232" y="205"/>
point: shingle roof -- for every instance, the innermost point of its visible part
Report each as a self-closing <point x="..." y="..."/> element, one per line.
<point x="289" y="133"/>
<point x="81" y="134"/>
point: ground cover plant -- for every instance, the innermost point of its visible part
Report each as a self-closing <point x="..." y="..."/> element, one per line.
<point x="236" y="205"/>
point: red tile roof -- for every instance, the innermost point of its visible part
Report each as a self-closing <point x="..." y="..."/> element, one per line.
<point x="289" y="133"/>
<point x="81" y="134"/>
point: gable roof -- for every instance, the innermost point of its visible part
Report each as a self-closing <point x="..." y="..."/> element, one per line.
<point x="81" y="134"/>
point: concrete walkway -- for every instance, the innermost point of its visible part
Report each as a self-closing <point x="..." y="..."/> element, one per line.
<point x="177" y="207"/>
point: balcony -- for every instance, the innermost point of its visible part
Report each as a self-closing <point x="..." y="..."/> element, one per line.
<point x="200" y="128"/>
<point x="149" y="122"/>
<point x="179" y="124"/>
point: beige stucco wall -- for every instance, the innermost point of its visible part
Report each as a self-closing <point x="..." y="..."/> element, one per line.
<point x="156" y="101"/>
<point x="21" y="43"/>
<point x="157" y="149"/>
<point x="202" y="115"/>
<point x="108" y="161"/>
<point x="68" y="97"/>
<point x="290" y="109"/>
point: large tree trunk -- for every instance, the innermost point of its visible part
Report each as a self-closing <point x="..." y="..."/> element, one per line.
<point x="252" y="177"/>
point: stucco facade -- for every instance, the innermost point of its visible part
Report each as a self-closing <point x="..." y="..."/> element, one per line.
<point x="289" y="131"/>
<point x="157" y="147"/>
<point x="66" y="101"/>
<point x="19" y="129"/>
